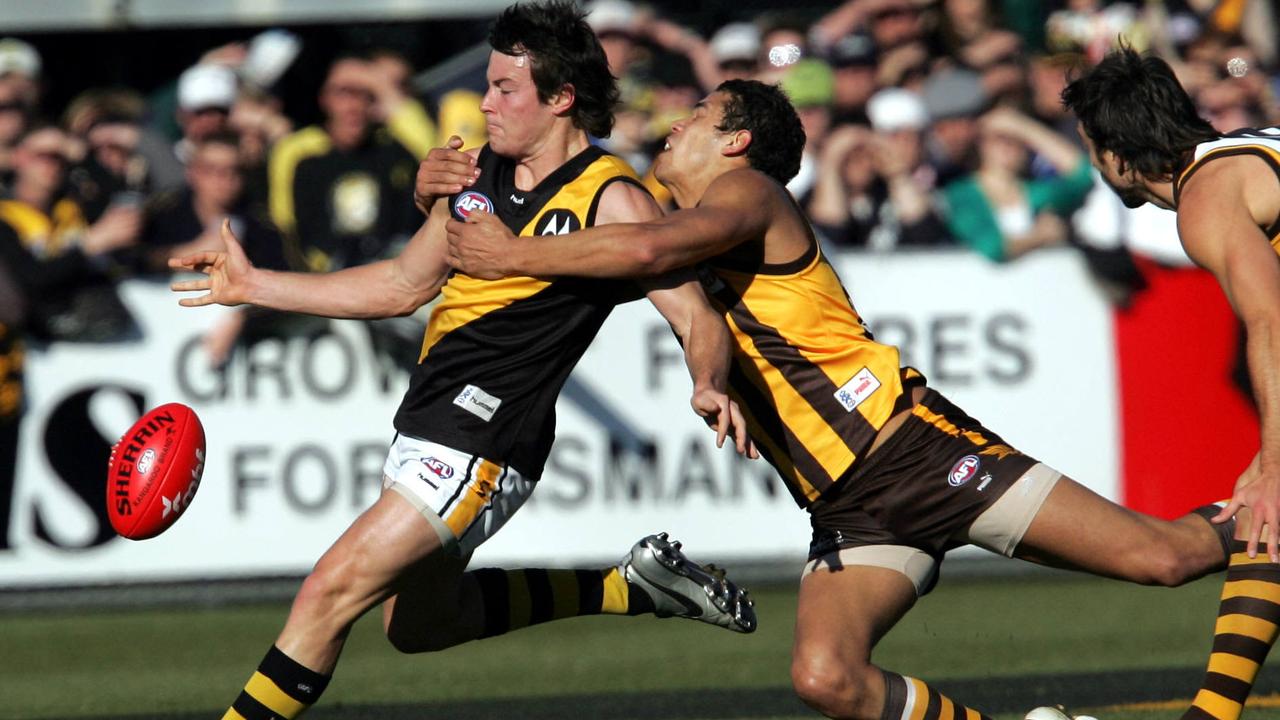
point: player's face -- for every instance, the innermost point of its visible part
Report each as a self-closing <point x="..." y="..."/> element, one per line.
<point x="695" y="141"/>
<point x="1131" y="192"/>
<point x="518" y="122"/>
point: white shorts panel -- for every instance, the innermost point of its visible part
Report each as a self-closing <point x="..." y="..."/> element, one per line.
<point x="1000" y="527"/>
<point x="465" y="497"/>
<point x="916" y="564"/>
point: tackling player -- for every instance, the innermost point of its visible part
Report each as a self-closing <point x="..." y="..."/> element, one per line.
<point x="476" y="424"/>
<point x="1150" y="145"/>
<point x="891" y="473"/>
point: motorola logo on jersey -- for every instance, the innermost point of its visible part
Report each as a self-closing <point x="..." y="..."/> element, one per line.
<point x="964" y="470"/>
<point x="557" y="222"/>
<point x="471" y="201"/>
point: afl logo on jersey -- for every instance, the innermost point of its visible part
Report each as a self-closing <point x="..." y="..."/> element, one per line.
<point x="964" y="470"/>
<point x="557" y="222"/>
<point x="469" y="202"/>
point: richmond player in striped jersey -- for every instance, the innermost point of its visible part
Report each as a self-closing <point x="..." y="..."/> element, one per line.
<point x="476" y="424"/>
<point x="891" y="473"/>
<point x="1150" y="145"/>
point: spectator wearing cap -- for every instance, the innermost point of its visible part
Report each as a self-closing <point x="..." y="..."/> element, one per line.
<point x="954" y="98"/>
<point x="853" y="65"/>
<point x="736" y="51"/>
<point x="350" y="173"/>
<point x="1000" y="213"/>
<point x="731" y="53"/>
<point x="20" y="66"/>
<point x="874" y="190"/>
<point x="19" y="97"/>
<point x="614" y="24"/>
<point x="810" y="85"/>
<point x="206" y="93"/>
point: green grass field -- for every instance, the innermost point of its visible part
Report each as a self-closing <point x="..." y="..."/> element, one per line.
<point x="1001" y="644"/>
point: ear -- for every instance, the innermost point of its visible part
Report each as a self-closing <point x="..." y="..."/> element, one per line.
<point x="736" y="143"/>
<point x="562" y="101"/>
<point x="1113" y="160"/>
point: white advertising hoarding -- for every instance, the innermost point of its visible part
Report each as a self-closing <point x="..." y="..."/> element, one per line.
<point x="297" y="429"/>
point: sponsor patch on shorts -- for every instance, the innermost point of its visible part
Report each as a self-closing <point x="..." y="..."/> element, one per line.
<point x="477" y="402"/>
<point x="851" y="394"/>
<point x="964" y="470"/>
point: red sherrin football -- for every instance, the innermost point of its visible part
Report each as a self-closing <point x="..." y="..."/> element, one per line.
<point x="154" y="471"/>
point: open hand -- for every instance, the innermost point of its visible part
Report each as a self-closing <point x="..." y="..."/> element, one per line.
<point x="1259" y="491"/>
<point x="228" y="273"/>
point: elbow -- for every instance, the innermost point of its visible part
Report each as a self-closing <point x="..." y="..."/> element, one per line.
<point x="647" y="259"/>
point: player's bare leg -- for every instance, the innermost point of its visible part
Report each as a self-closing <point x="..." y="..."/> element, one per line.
<point x="1078" y="529"/>
<point x="359" y="571"/>
<point x="843" y="612"/>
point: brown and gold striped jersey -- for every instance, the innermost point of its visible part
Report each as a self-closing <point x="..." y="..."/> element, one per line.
<point x="814" y="384"/>
<point x="1262" y="142"/>
<point x="497" y="352"/>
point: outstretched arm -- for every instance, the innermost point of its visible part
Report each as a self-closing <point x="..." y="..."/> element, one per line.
<point x="386" y="288"/>
<point x="736" y="208"/>
<point x="1220" y="233"/>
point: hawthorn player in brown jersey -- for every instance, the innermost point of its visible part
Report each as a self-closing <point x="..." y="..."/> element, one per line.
<point x="474" y="429"/>
<point x="1150" y="145"/>
<point x="891" y="473"/>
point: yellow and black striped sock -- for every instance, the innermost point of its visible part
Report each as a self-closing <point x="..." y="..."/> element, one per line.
<point x="1246" y="629"/>
<point x="281" y="688"/>
<point x="907" y="697"/>
<point x="515" y="599"/>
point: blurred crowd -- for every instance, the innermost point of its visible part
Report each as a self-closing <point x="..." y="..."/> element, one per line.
<point x="929" y="123"/>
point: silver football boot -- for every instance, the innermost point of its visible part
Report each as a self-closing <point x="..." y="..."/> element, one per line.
<point x="681" y="587"/>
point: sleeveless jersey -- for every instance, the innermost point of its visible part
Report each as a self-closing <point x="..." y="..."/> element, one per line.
<point x="496" y="352"/>
<point x="814" y="385"/>
<point x="1262" y="142"/>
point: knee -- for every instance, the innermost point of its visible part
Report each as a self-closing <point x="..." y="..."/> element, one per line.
<point x="411" y="635"/>
<point x="333" y="588"/>
<point x="1164" y="566"/>
<point x="834" y="688"/>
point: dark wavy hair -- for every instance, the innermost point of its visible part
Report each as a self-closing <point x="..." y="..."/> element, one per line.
<point x="1135" y="107"/>
<point x="777" y="138"/>
<point x="563" y="51"/>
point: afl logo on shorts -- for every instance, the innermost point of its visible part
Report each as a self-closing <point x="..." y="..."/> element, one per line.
<point x="469" y="202"/>
<point x="442" y="469"/>
<point x="964" y="470"/>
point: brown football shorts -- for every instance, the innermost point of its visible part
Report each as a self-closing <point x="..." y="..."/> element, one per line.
<point x="923" y="489"/>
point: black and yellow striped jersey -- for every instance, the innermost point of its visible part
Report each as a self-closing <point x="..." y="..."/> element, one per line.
<point x="496" y="352"/>
<point x="813" y="383"/>
<point x="1262" y="142"/>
